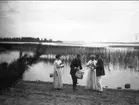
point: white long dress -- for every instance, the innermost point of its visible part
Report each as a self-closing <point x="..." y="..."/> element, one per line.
<point x="57" y="79"/>
<point x="91" y="82"/>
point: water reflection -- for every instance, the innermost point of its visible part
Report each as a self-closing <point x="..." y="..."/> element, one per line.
<point x="8" y="56"/>
<point x="112" y="79"/>
<point x="121" y="66"/>
<point x="124" y="58"/>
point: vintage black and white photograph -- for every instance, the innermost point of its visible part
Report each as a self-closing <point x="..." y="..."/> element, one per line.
<point x="69" y="52"/>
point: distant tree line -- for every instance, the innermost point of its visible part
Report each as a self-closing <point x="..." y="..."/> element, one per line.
<point x="27" y="39"/>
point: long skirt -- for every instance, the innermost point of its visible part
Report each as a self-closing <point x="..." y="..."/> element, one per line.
<point x="57" y="80"/>
<point x="91" y="82"/>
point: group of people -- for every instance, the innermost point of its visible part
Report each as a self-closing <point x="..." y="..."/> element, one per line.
<point x="95" y="71"/>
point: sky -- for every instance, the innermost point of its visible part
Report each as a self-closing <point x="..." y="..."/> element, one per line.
<point x="89" y="21"/>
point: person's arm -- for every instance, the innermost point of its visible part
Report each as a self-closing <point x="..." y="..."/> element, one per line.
<point x="58" y="65"/>
<point x="55" y="68"/>
<point x="94" y="64"/>
<point x="80" y="65"/>
<point x="61" y="64"/>
<point x="72" y="64"/>
<point x="88" y="64"/>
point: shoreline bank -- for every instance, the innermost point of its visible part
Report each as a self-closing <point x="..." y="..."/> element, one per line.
<point x="80" y="86"/>
<point x="43" y="93"/>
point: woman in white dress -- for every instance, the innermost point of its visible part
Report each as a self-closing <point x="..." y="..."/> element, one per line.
<point x="91" y="77"/>
<point x="57" y="79"/>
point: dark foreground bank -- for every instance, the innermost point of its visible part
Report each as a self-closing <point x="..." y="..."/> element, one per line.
<point x="42" y="93"/>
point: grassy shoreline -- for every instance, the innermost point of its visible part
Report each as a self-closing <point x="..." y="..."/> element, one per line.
<point x="79" y="86"/>
<point x="43" y="93"/>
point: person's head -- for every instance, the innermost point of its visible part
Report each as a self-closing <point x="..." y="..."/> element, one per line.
<point x="97" y="56"/>
<point x="78" y="56"/>
<point x="58" y="56"/>
<point x="92" y="57"/>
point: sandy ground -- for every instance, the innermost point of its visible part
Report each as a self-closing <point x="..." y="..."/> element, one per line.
<point x="42" y="93"/>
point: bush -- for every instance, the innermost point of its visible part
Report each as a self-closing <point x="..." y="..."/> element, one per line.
<point x="11" y="73"/>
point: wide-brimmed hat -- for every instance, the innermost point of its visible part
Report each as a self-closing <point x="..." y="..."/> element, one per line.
<point x="92" y="56"/>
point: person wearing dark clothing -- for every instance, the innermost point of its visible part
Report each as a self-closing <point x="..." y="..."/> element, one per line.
<point x="100" y="67"/>
<point x="74" y="66"/>
<point x="99" y="71"/>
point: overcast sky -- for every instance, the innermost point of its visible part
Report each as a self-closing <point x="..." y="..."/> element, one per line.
<point x="71" y="20"/>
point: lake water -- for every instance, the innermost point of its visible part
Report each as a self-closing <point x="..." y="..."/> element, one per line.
<point x="121" y="67"/>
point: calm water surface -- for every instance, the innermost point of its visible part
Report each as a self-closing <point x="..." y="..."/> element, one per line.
<point x="118" y="73"/>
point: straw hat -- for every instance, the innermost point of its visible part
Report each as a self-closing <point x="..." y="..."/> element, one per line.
<point x="92" y="56"/>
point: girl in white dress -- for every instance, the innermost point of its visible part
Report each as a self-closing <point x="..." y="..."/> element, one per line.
<point x="57" y="79"/>
<point x="91" y="77"/>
